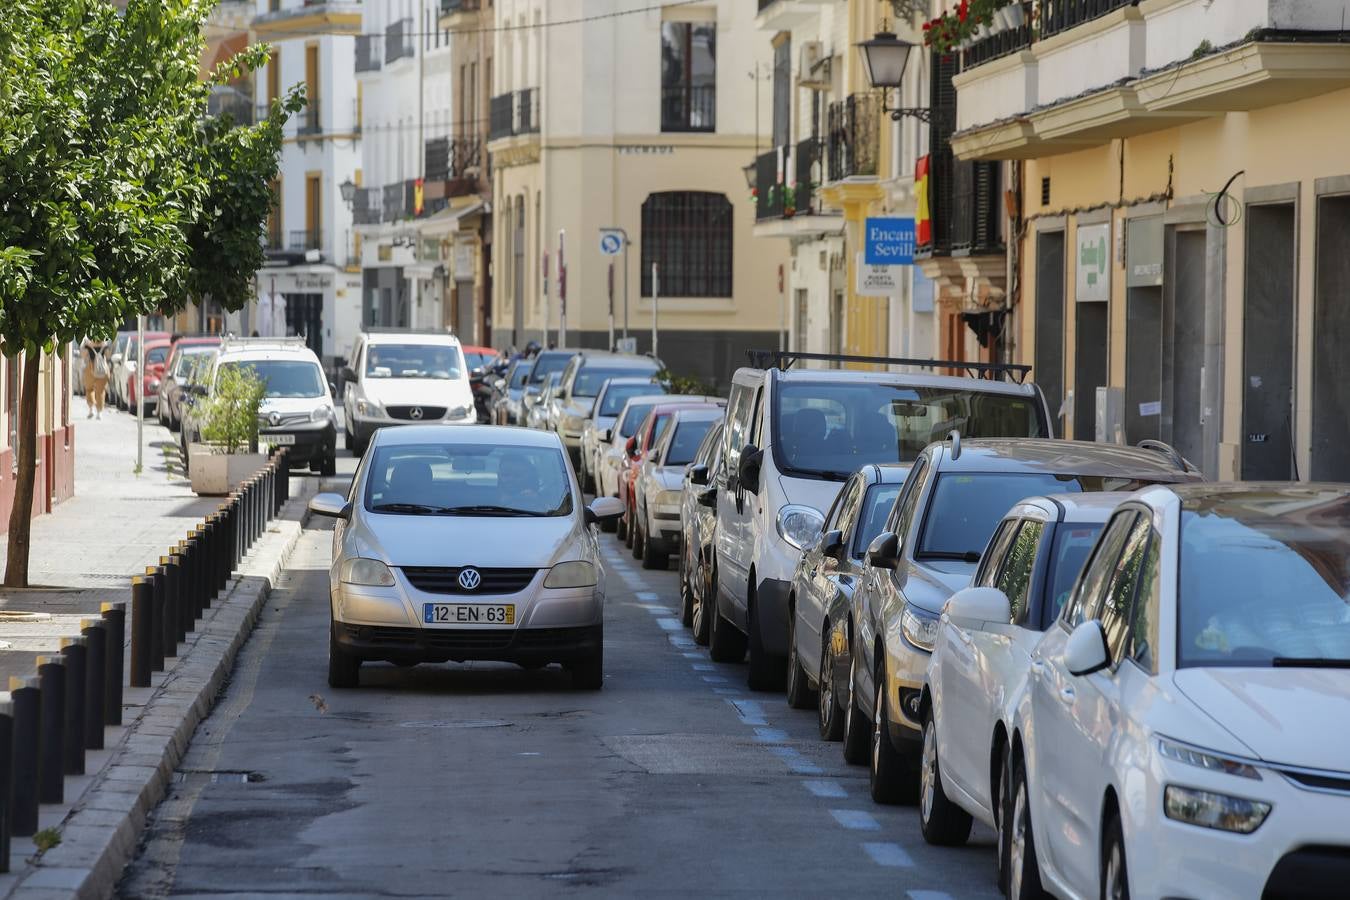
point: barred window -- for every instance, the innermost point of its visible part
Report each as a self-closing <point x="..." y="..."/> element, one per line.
<point x="688" y="235"/>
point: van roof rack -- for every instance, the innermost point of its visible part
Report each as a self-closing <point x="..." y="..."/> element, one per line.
<point x="398" y="329"/>
<point x="783" y="359"/>
<point x="231" y="342"/>
<point x="1170" y="452"/>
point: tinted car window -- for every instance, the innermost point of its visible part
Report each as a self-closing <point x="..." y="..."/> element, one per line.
<point x="1144" y="622"/>
<point x="1070" y="550"/>
<point x="992" y="560"/>
<point x="966" y="507"/>
<point x="286" y="378"/>
<point x="1118" y="603"/>
<point x="636" y="413"/>
<point x="468" y="480"/>
<point x="519" y="373"/>
<point x="156" y="355"/>
<point x="590" y="379"/>
<point x="684" y="443"/>
<point x="876" y="507"/>
<point x="412" y="361"/>
<point x="619" y="394"/>
<point x="1092" y="584"/>
<point x="546" y="364"/>
<point x="1015" y="577"/>
<point x="476" y="360"/>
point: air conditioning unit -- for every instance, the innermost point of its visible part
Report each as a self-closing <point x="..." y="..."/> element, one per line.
<point x="814" y="69"/>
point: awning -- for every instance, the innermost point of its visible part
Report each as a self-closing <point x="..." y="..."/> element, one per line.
<point x="447" y="220"/>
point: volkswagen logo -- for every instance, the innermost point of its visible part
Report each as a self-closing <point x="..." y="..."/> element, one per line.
<point x="275" y="419"/>
<point x="416" y="413"/>
<point x="470" y="579"/>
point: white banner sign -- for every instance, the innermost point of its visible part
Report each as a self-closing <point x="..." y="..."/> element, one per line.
<point x="876" y="281"/>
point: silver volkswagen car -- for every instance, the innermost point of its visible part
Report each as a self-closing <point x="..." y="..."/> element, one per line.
<point x="465" y="544"/>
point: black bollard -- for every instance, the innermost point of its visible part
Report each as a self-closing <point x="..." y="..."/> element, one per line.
<point x="95" y="674"/>
<point x="195" y="541"/>
<point x="115" y="638"/>
<point x="6" y="777"/>
<point x="52" y="755"/>
<point x="142" y="629"/>
<point x="173" y="631"/>
<point x="76" y="654"/>
<point x="157" y="649"/>
<point x="27" y="698"/>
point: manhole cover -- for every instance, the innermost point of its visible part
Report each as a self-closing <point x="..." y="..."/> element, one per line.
<point x="480" y="723"/>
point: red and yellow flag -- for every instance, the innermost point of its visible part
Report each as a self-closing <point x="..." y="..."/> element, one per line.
<point x="923" y="219"/>
<point x="419" y="197"/>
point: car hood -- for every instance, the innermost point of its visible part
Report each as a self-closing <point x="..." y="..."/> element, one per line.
<point x="669" y="478"/>
<point x="419" y="391"/>
<point x="1290" y="716"/>
<point x="812" y="492"/>
<point x="930" y="583"/>
<point x="289" y="406"/>
<point x="580" y="407"/>
<point x="482" y="541"/>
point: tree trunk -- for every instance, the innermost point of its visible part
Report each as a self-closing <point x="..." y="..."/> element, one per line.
<point x="21" y="516"/>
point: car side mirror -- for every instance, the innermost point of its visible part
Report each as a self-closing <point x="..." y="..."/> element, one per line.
<point x="606" y="435"/>
<point x="631" y="447"/>
<point x="698" y="474"/>
<point x="348" y="373"/>
<point x="752" y="459"/>
<point x="329" y="504"/>
<point x="884" y="551"/>
<point x="604" y="509"/>
<point x="1085" y="651"/>
<point x="116" y="358"/>
<point x="332" y="388"/>
<point x="707" y="498"/>
<point x="977" y="606"/>
<point x="832" y="545"/>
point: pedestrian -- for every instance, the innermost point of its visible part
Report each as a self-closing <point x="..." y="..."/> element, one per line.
<point x="96" y="372"/>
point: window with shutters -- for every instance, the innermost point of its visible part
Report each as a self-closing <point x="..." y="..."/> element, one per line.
<point x="688" y="76"/>
<point x="687" y="234"/>
<point x="964" y="197"/>
<point x="782" y="92"/>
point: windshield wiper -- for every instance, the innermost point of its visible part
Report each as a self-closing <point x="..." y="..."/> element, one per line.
<point x="1309" y="662"/>
<point x="486" y="510"/>
<point x="969" y="556"/>
<point x="414" y="508"/>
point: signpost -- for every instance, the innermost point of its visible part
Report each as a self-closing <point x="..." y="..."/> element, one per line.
<point x="888" y="241"/>
<point x="562" y="289"/>
<point x="875" y="281"/>
<point x="614" y="241"/>
<point x="610" y="282"/>
<point x="656" y="305"/>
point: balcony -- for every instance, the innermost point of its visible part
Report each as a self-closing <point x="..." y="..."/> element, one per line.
<point x="768" y="187"/>
<point x="513" y="114"/>
<point x="527" y="111"/>
<point x="368" y="53"/>
<point x="367" y="206"/>
<point x="1106" y="69"/>
<point x="689" y="108"/>
<point x="239" y="107"/>
<point x="436" y="159"/>
<point x="395" y="205"/>
<point x="459" y="15"/>
<point x="343" y="16"/>
<point x="808" y="164"/>
<point x="466" y="167"/>
<point x="300" y="241"/>
<point x="307" y="120"/>
<point x="785" y="15"/>
<point x="854" y="136"/>
<point x="398" y="42"/>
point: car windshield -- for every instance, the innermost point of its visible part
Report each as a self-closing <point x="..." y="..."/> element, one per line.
<point x="590" y="379"/>
<point x="966" y="507"/>
<point x="412" y="361"/>
<point x="546" y="365"/>
<point x="1265" y="580"/>
<point x="876" y="507"/>
<point x="1070" y="550"/>
<point x="156" y="355"/>
<point x="828" y="429"/>
<point x="633" y="418"/>
<point x="285" y="377"/>
<point x="477" y="360"/>
<point x="519" y="372"/>
<point x="187" y="357"/>
<point x="475" y="480"/>
<point x="684" y="442"/>
<point x="618" y="395"/>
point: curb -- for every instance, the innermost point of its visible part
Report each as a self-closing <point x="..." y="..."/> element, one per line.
<point x="101" y="833"/>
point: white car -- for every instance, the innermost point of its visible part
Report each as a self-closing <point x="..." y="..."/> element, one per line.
<point x="610" y="457"/>
<point x="982" y="656"/>
<point x="660" y="482"/>
<point x="400" y="377"/>
<point x="585" y="375"/>
<point x="537" y="415"/>
<point x="1185" y="726"/>
<point x="604" y="413"/>
<point x="465" y="544"/>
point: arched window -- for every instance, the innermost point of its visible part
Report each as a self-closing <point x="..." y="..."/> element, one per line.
<point x="688" y="235"/>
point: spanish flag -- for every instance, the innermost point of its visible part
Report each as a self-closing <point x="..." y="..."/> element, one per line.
<point x="923" y="221"/>
<point x="419" y="197"/>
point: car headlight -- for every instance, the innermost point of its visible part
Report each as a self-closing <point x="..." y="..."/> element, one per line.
<point x="800" y="525"/>
<point x="321" y="414"/>
<point x="573" y="423"/>
<point x="370" y="572"/>
<point x="1210" y="810"/>
<point x="458" y="412"/>
<point x="1204" y="759"/>
<point x="920" y="628"/>
<point x="574" y="574"/>
<point x="369" y="408"/>
<point x="154" y="384"/>
<point x="668" y="499"/>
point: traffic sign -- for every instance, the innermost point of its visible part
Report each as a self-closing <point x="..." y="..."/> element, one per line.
<point x="626" y="345"/>
<point x="889" y="241"/>
<point x="611" y="241"/>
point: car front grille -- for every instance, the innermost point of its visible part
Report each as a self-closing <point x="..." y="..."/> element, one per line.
<point x="445" y="580"/>
<point x="1318" y="781"/>
<point x="426" y="413"/>
<point x="1309" y="873"/>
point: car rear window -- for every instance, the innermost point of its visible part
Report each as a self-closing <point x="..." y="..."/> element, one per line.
<point x="619" y="394"/>
<point x="636" y="413"/>
<point x="685" y="441"/>
<point x="590" y="379"/>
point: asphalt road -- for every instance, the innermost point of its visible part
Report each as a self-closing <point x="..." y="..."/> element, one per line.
<point x="487" y="780"/>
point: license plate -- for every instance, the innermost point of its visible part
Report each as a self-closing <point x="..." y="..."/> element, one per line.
<point x="469" y="613"/>
<point x="280" y="440"/>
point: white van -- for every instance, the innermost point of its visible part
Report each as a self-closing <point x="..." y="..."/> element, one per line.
<point x="790" y="441"/>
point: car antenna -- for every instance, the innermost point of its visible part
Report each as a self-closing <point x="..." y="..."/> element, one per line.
<point x="955" y="437"/>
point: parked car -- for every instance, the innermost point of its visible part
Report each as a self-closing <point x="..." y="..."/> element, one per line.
<point x="297" y="409"/>
<point x="1184" y="728"/>
<point x="982" y="656"/>
<point x="956" y="494"/>
<point x="536" y="416"/>
<point x="821" y="602"/>
<point x="144" y="389"/>
<point x="401" y="377"/>
<point x="612" y="458"/>
<point x="125" y="362"/>
<point x="463" y="544"/>
<point x="697" y="526"/>
<point x="792" y="438"/>
<point x="656" y="487"/>
<point x="604" y="413"/>
<point x="545" y="363"/>
<point x="507" y="391"/>
<point x="585" y="374"/>
<point x="186" y="351"/>
<point x="636" y="450"/>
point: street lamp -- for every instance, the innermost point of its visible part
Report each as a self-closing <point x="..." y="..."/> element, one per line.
<point x="885" y="57"/>
<point x="749" y="170"/>
<point x="348" y="189"/>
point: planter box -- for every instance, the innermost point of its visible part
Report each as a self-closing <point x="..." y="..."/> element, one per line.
<point x="219" y="473"/>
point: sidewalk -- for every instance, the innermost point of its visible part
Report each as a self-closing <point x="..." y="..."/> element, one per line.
<point x="87" y="549"/>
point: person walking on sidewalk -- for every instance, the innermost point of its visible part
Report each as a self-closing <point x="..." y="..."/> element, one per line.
<point x="96" y="372"/>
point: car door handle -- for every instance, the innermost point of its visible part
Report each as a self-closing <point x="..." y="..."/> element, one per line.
<point x="1066" y="694"/>
<point x="963" y="635"/>
<point x="1037" y="664"/>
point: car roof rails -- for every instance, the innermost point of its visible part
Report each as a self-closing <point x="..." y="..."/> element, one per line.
<point x="401" y="329"/>
<point x="1170" y="452"/>
<point x="783" y="359"/>
<point x="954" y="437"/>
<point x="231" y="342"/>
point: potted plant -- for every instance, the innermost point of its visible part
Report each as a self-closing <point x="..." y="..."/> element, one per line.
<point x="789" y="200"/>
<point x="227" y="454"/>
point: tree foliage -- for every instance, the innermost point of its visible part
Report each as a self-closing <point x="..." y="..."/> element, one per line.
<point x="230" y="419"/>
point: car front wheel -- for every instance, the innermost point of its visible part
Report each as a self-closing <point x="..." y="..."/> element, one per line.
<point x="344" y="669"/>
<point x="944" y="823"/>
<point x="1024" y="874"/>
<point x="589" y="674"/>
<point x="799" y="693"/>
<point x="830" y="718"/>
<point x="1115" y="876"/>
<point x="891" y="777"/>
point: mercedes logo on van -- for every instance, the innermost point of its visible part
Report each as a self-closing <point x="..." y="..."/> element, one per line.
<point x="470" y="579"/>
<point x="275" y="419"/>
<point x="415" y="412"/>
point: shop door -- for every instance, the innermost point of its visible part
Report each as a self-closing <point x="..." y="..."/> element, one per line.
<point x="1268" y="344"/>
<point x="1048" y="364"/>
<point x="304" y="317"/>
<point x="1184" y="293"/>
<point x="1331" y="336"/>
<point x="464" y="321"/>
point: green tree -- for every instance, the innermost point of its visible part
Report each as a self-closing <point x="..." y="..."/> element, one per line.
<point x="119" y="196"/>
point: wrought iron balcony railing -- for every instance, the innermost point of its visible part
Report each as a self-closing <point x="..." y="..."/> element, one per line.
<point x="398" y="43"/>
<point x="305" y="240"/>
<point x="367" y="206"/>
<point x="368" y="52"/>
<point x="854" y="136"/>
<point x="687" y="107"/>
<point x="1061" y="15"/>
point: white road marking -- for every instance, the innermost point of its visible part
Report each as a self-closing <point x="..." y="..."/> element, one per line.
<point x="929" y="895"/>
<point x="825" y="788"/>
<point x="692" y="655"/>
<point x="729" y="692"/>
<point x="703" y="667"/>
<point x="856" y="819"/>
<point x="771" y="735"/>
<point x="681" y="641"/>
<point x="648" y="595"/>
<point x="669" y="624"/>
<point x="750" y="711"/>
<point x="893" y="856"/>
<point x="714" y="679"/>
<point x="797" y="763"/>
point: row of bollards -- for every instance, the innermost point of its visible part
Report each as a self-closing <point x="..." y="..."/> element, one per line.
<point x="49" y="720"/>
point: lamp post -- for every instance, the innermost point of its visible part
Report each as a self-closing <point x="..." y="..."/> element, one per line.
<point x="348" y="189"/>
<point x="749" y="170"/>
<point x="884" y="58"/>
